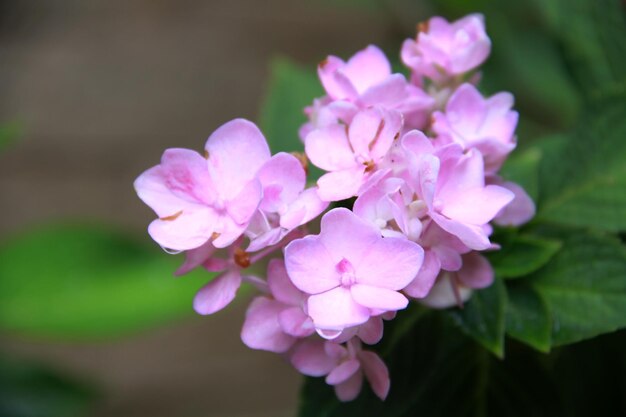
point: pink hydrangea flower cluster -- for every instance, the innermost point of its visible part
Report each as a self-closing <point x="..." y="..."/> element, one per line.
<point x="417" y="158"/>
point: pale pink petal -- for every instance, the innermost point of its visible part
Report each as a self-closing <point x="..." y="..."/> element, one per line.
<point x="390" y="92"/>
<point x="347" y="236"/>
<point x="340" y="185"/>
<point x="188" y="230"/>
<point x="476" y="271"/>
<point x="286" y="172"/>
<point x="372" y="132"/>
<point x="338" y="86"/>
<point x="343" y="372"/>
<point x="371" y="332"/>
<point x="376" y="373"/>
<point x="367" y="68"/>
<point x="390" y="263"/>
<point x="428" y="171"/>
<point x="236" y="151"/>
<point x="425" y="279"/>
<point x="519" y="211"/>
<point x="310" y="266"/>
<point x="311" y="359"/>
<point x="294" y="322"/>
<point x="350" y="389"/>
<point x="378" y="298"/>
<point x="218" y="293"/>
<point x="280" y="285"/>
<point x="476" y="206"/>
<point x="269" y="238"/>
<point x="336" y="310"/>
<point x="195" y="258"/>
<point x="471" y="235"/>
<point x="442" y="294"/>
<point x="242" y="207"/>
<point x="460" y="175"/>
<point x="228" y="231"/>
<point x="261" y="329"/>
<point x="303" y="209"/>
<point x="328" y="148"/>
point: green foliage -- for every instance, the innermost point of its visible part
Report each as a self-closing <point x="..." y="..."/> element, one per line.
<point x="483" y="317"/>
<point x="437" y="372"/>
<point x="521" y="254"/>
<point x="584" y="286"/>
<point x="28" y="390"/>
<point x="88" y="282"/>
<point x="529" y="318"/>
<point x="583" y="177"/>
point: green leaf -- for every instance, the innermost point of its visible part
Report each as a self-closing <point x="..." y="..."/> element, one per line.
<point x="290" y="90"/>
<point x="521" y="254"/>
<point x="523" y="169"/>
<point x="583" y="177"/>
<point x="528" y="318"/>
<point x="89" y="282"/>
<point x="584" y="286"/>
<point x="437" y="372"/>
<point x="593" y="34"/>
<point x="483" y="317"/>
<point x="28" y="390"/>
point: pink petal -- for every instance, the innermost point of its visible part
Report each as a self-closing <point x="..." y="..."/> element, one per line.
<point x="477" y="206"/>
<point x="476" y="271"/>
<point x="390" y="263"/>
<point x="425" y="279"/>
<point x="371" y="332"/>
<point x="372" y="132"/>
<point x="261" y="329"/>
<point x="189" y="230"/>
<point x="236" y="150"/>
<point x="389" y="93"/>
<point x="378" y="298"/>
<point x="443" y="296"/>
<point x="346" y="236"/>
<point x="336" y="310"/>
<point x="338" y="86"/>
<point x="218" y="293"/>
<point x="350" y="389"/>
<point x="472" y="236"/>
<point x="519" y="211"/>
<point x="281" y="286"/>
<point x="310" y="266"/>
<point x="195" y="258"/>
<point x="285" y="171"/>
<point x="341" y="185"/>
<point x="243" y="206"/>
<point x="367" y="68"/>
<point x="294" y="322"/>
<point x="303" y="209"/>
<point x="310" y="358"/>
<point x="343" y="372"/>
<point x="328" y="148"/>
<point x="376" y="373"/>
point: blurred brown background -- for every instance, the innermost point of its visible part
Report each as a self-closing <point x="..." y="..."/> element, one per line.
<point x="99" y="89"/>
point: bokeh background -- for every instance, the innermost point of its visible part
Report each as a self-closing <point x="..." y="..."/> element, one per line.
<point x="91" y="93"/>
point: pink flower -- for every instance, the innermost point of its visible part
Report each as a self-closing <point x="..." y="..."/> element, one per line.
<point x="520" y="210"/>
<point x="275" y="323"/>
<point x="454" y="288"/>
<point x="475" y="122"/>
<point x="285" y="204"/>
<point x="212" y="197"/>
<point x="443" y="50"/>
<point x="452" y="185"/>
<point x="351" y="155"/>
<point x="366" y="80"/>
<point x="344" y="367"/>
<point x="351" y="271"/>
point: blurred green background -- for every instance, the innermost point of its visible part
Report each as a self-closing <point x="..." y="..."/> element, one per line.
<point x="92" y="321"/>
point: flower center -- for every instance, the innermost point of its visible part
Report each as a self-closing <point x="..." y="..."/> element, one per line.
<point x="344" y="267"/>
